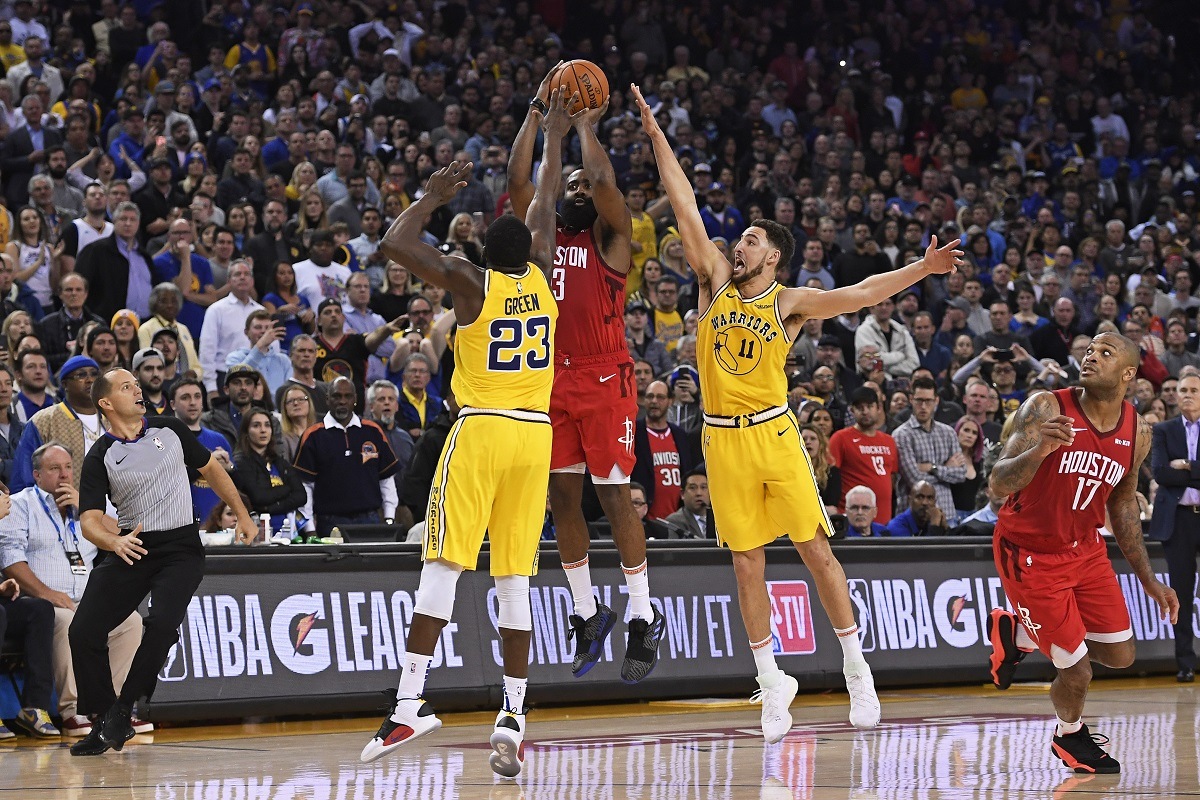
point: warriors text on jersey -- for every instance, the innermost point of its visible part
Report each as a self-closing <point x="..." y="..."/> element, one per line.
<point x="743" y="345"/>
<point x="591" y="297"/>
<point x="505" y="358"/>
<point x="1064" y="504"/>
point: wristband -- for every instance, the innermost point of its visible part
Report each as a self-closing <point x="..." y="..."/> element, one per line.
<point x="539" y="104"/>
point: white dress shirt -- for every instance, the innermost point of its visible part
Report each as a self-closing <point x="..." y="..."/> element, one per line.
<point x="42" y="540"/>
<point x="224" y="331"/>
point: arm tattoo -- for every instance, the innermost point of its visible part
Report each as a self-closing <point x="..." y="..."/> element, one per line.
<point x="1019" y="460"/>
<point x="1124" y="511"/>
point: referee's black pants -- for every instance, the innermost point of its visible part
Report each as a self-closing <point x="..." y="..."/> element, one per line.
<point x="169" y="572"/>
<point x="1181" y="550"/>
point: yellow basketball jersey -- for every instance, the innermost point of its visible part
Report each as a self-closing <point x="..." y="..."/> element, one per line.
<point x="742" y="345"/>
<point x="505" y="358"/>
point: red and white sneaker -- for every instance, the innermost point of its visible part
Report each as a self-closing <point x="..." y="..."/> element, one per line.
<point x="409" y="719"/>
<point x="508" y="745"/>
<point x="140" y="726"/>
<point x="76" y="726"/>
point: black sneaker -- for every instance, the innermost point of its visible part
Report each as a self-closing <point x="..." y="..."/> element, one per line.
<point x="589" y="638"/>
<point x="1081" y="752"/>
<point x="641" y="653"/>
<point x="1002" y="631"/>
<point x="111" y="732"/>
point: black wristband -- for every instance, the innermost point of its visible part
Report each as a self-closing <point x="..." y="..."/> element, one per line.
<point x="539" y="104"/>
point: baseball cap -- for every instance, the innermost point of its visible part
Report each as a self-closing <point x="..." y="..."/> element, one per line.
<point x="703" y="166"/>
<point x="155" y="163"/>
<point x="171" y="332"/>
<point x="304" y="8"/>
<point x="829" y="340"/>
<point x="326" y="303"/>
<point x="391" y="52"/>
<point x="236" y="371"/>
<point x="164" y="87"/>
<point x="636" y="305"/>
<point x="211" y="83"/>
<point x="147" y="353"/>
<point x="961" y="303"/>
<point x="716" y="186"/>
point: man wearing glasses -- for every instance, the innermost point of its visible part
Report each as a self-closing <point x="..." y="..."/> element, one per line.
<point x="72" y="423"/>
<point x="929" y="449"/>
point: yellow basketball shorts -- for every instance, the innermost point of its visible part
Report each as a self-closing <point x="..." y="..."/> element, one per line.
<point x="761" y="485"/>
<point x="491" y="477"/>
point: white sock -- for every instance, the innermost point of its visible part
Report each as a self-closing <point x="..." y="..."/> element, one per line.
<point x="1067" y="728"/>
<point x="764" y="660"/>
<point x="412" y="679"/>
<point x="851" y="648"/>
<point x="1024" y="642"/>
<point x="514" y="694"/>
<point x="579" y="576"/>
<point x="638" y="581"/>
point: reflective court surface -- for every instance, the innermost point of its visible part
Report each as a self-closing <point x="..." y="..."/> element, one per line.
<point x="934" y="743"/>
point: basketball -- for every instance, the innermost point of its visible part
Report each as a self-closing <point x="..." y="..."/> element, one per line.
<point x="583" y="77"/>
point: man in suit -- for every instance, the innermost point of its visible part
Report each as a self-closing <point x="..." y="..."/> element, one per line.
<point x="694" y="520"/>
<point x="117" y="268"/>
<point x="1176" y="521"/>
<point x="24" y="149"/>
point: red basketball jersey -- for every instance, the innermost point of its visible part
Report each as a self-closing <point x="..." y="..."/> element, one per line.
<point x="1064" y="504"/>
<point x="664" y="455"/>
<point x="591" y="299"/>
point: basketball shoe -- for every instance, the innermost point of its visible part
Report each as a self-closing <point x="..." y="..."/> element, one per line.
<point x="864" y="703"/>
<point x="641" y="651"/>
<point x="1081" y="752"/>
<point x="508" y="744"/>
<point x="1002" y="631"/>
<point x="408" y="719"/>
<point x="589" y="637"/>
<point x="776" y="718"/>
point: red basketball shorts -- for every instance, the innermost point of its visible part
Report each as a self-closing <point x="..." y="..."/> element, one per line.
<point x="593" y="411"/>
<point x="1063" y="599"/>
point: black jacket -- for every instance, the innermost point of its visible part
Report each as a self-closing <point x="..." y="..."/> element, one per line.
<point x="220" y="420"/>
<point x="643" y="469"/>
<point x="57" y="329"/>
<point x="107" y="273"/>
<point x="252" y="478"/>
<point x="15" y="163"/>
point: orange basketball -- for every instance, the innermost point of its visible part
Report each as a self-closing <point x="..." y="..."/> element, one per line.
<point x="583" y="77"/>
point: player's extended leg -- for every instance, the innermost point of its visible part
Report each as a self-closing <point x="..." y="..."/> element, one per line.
<point x="777" y="690"/>
<point x="830" y="578"/>
<point x="646" y="623"/>
<point x="411" y="717"/>
<point x="592" y="621"/>
<point x="515" y="620"/>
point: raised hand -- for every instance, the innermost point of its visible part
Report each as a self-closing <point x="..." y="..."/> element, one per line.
<point x="944" y="259"/>
<point x="559" y="119"/>
<point x="649" y="123"/>
<point x="448" y="181"/>
<point x="544" y="89"/>
<point x="589" y="116"/>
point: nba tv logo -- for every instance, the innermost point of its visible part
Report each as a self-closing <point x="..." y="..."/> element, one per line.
<point x="792" y="631"/>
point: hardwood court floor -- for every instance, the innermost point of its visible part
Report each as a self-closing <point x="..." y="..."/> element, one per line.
<point x="934" y="744"/>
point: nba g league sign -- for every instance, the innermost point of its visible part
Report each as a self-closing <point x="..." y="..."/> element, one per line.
<point x="257" y="636"/>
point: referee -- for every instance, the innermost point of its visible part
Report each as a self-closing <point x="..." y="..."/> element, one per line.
<point x="143" y="466"/>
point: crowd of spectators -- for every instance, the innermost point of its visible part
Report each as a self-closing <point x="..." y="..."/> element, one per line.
<point x="197" y="191"/>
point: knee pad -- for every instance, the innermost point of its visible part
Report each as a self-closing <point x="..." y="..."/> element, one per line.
<point x="513" y="593"/>
<point x="435" y="597"/>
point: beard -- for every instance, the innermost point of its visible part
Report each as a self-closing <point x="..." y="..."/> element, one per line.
<point x="387" y="421"/>
<point x="579" y="216"/>
<point x="749" y="274"/>
<point x="58" y="173"/>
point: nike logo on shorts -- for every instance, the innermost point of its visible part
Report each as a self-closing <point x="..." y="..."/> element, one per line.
<point x="782" y="432"/>
<point x="608" y="377"/>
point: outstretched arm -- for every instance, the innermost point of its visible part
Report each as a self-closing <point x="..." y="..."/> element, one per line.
<point x="709" y="264"/>
<point x="610" y="202"/>
<point x="1039" y="430"/>
<point x="851" y="299"/>
<point x="1125" y="515"/>
<point x="520" y="159"/>
<point x="540" y="218"/>
<point x="402" y="244"/>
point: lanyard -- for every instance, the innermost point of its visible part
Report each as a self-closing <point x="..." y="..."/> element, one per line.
<point x="58" y="528"/>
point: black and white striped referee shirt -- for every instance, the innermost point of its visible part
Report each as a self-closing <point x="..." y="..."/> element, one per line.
<point x="146" y="477"/>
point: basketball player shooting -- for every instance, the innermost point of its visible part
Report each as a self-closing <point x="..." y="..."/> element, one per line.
<point x="1073" y="454"/>
<point x="751" y="441"/>
<point x="594" y="403"/>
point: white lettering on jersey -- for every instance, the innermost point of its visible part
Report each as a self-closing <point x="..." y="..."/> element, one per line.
<point x="573" y="256"/>
<point x="1091" y="465"/>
